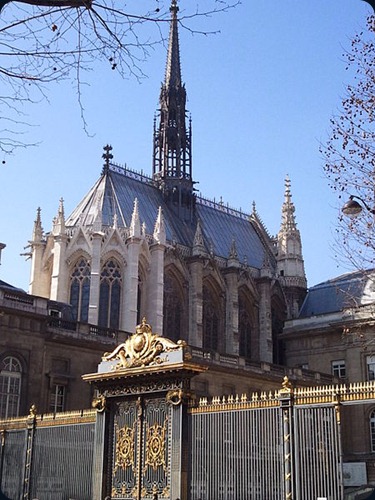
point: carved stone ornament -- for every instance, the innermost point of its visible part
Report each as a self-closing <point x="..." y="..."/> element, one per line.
<point x="143" y="349"/>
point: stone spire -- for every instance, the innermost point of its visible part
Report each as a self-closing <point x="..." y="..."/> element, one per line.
<point x="290" y="265"/>
<point x="172" y="163"/>
<point x="135" y="225"/>
<point x="159" y="230"/>
<point x="233" y="255"/>
<point x="288" y="223"/>
<point x="59" y="220"/>
<point x="37" y="230"/>
<point x="198" y="243"/>
<point x="173" y="68"/>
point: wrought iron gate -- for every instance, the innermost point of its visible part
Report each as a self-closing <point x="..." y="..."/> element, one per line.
<point x="273" y="446"/>
<point x="140" y="452"/>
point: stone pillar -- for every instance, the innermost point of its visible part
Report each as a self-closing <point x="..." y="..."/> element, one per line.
<point x="39" y="282"/>
<point x="231" y="313"/>
<point x="156" y="288"/>
<point x="130" y="288"/>
<point x="196" y="302"/>
<point x="95" y="278"/>
<point x="265" y="318"/>
<point x="59" y="288"/>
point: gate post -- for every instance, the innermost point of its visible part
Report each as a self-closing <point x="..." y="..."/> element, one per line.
<point x="143" y="388"/>
<point x="286" y="405"/>
<point x="30" y="432"/>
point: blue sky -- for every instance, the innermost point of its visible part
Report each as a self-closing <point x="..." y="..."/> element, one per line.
<point x="260" y="93"/>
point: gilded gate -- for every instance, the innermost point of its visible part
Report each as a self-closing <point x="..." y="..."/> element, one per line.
<point x="143" y="391"/>
<point x="147" y="438"/>
<point x="140" y="462"/>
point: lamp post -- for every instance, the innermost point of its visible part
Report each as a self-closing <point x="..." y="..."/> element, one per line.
<point x="352" y="208"/>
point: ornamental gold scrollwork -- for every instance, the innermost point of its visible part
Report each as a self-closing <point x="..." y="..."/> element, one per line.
<point x="99" y="403"/>
<point x="124" y="448"/>
<point x="143" y="348"/>
<point x="155" y="447"/>
<point x="175" y="398"/>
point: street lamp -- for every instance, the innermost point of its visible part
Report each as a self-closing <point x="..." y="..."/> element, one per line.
<point x="352" y="208"/>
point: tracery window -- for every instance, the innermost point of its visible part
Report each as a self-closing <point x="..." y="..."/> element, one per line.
<point x="80" y="290"/>
<point x="110" y="293"/>
<point x="10" y="387"/>
<point x="173" y="310"/>
<point x="210" y="320"/>
<point x="244" y="329"/>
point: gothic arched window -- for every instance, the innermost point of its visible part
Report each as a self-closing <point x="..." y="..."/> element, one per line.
<point x="210" y="320"/>
<point x="10" y="387"/>
<point x="244" y="328"/>
<point x="173" y="309"/>
<point x="80" y="290"/>
<point x="109" y="297"/>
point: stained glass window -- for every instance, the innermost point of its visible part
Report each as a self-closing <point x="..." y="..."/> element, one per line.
<point x="210" y="320"/>
<point x="244" y="328"/>
<point x="80" y="290"/>
<point x="173" y="310"/>
<point x="110" y="293"/>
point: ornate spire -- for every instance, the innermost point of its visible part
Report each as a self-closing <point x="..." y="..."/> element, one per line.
<point x="198" y="244"/>
<point x="135" y="225"/>
<point x="172" y="164"/>
<point x="173" y="68"/>
<point x="59" y="220"/>
<point x="159" y="230"/>
<point x="233" y="255"/>
<point x="38" y="230"/>
<point x="290" y="265"/>
<point x="288" y="223"/>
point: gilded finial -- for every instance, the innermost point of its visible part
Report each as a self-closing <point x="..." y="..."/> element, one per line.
<point x="32" y="411"/>
<point x="286" y="385"/>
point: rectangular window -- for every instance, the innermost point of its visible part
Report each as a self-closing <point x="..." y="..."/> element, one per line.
<point x="57" y="398"/>
<point x="370" y="367"/>
<point x="338" y="368"/>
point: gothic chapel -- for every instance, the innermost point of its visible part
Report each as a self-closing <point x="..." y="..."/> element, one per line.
<point x="139" y="246"/>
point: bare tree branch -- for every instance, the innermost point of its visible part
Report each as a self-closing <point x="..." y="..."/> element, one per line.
<point x="349" y="153"/>
<point x="42" y="41"/>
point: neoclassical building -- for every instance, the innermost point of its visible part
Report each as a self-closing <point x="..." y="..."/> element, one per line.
<point x="149" y="246"/>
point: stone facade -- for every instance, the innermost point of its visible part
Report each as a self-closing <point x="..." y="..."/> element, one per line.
<point x="139" y="246"/>
<point x="334" y="334"/>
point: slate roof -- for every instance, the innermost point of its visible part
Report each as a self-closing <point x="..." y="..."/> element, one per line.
<point x="116" y="190"/>
<point x="7" y="286"/>
<point x="349" y="290"/>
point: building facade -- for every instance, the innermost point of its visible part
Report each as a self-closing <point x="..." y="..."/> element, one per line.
<point x="139" y="246"/>
<point x="334" y="333"/>
<point x="147" y="246"/>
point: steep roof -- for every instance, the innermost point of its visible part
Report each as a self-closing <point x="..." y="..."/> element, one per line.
<point x="7" y="286"/>
<point x="116" y="190"/>
<point x="349" y="290"/>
